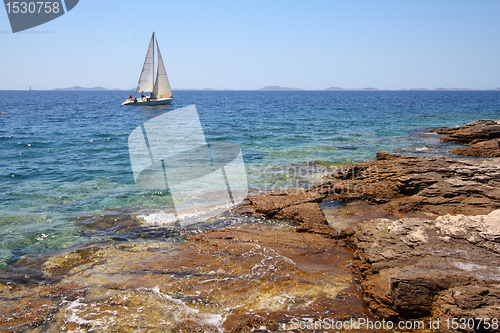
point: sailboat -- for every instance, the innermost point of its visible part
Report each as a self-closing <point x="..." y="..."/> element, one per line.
<point x="161" y="93"/>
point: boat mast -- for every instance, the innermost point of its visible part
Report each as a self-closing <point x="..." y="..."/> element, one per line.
<point x="154" y="83"/>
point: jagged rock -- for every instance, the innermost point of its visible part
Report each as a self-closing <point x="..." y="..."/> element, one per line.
<point x="482" y="136"/>
<point x="306" y="213"/>
<point x="271" y="203"/>
<point x="414" y="268"/>
<point x="408" y="183"/>
<point x="296" y="205"/>
<point x="490" y="148"/>
<point x="480" y="130"/>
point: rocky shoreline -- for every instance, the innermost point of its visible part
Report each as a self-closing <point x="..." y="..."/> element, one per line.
<point x="481" y="136"/>
<point x="403" y="184"/>
<point x="430" y="250"/>
<point x="444" y="266"/>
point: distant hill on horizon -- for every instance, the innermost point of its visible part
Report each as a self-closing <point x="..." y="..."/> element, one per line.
<point x="278" y="88"/>
<point x="78" y="88"/>
<point x="350" y="89"/>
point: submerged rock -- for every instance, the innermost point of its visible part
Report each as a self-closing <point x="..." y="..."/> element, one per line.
<point x="233" y="280"/>
<point x="447" y="268"/>
<point x="25" y="308"/>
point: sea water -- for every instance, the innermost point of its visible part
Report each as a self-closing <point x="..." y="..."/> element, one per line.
<point x="64" y="154"/>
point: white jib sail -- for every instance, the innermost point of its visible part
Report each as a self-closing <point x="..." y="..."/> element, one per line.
<point x="162" y="86"/>
<point x="146" y="80"/>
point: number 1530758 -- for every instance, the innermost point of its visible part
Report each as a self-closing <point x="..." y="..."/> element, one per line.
<point x="32" y="7"/>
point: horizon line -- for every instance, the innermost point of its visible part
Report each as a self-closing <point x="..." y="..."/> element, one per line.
<point x="266" y="88"/>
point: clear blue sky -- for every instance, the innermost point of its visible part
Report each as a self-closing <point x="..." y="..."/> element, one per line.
<point x="242" y="44"/>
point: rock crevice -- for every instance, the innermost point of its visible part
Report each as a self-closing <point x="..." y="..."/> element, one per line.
<point x="407" y="183"/>
<point x="414" y="268"/>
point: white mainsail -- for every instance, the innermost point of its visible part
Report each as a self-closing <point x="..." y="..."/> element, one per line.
<point x="162" y="86"/>
<point x="146" y="80"/>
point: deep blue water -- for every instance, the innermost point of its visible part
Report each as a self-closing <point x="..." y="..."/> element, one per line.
<point x="64" y="154"/>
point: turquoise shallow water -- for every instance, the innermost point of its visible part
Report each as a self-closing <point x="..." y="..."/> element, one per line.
<point x="64" y="155"/>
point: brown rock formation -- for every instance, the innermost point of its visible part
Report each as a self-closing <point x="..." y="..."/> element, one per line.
<point x="237" y="280"/>
<point x="490" y="148"/>
<point x="414" y="268"/>
<point x="270" y="203"/>
<point x="482" y="136"/>
<point x="448" y="268"/>
<point x="407" y="183"/>
<point x="25" y="308"/>
<point x="296" y="205"/>
<point x="480" y="130"/>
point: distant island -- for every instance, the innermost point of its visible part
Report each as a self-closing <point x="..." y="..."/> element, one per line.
<point x="78" y="88"/>
<point x="350" y="89"/>
<point x="280" y="88"/>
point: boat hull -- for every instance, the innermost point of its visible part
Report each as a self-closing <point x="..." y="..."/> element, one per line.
<point x="147" y="101"/>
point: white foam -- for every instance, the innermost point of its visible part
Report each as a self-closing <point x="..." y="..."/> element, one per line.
<point x="160" y="218"/>
<point x="423" y="148"/>
<point x="183" y="309"/>
<point x="184" y="217"/>
<point x="74" y="318"/>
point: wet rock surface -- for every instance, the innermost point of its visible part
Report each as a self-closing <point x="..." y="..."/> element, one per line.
<point x="446" y="268"/>
<point x="482" y="136"/>
<point x="407" y="183"/>
<point x="25" y="308"/>
<point x="235" y="279"/>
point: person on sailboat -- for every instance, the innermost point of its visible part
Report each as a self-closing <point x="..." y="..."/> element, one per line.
<point x="142" y="94"/>
<point x="130" y="97"/>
